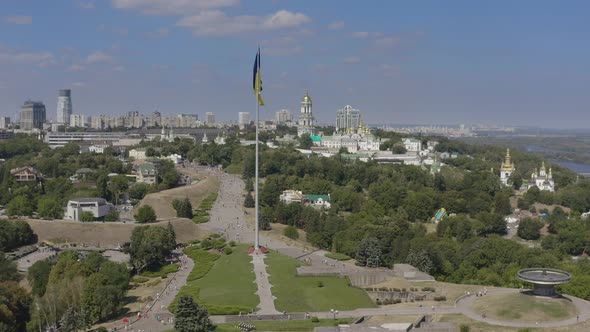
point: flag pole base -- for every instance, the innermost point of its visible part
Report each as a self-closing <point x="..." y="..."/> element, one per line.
<point x="261" y="250"/>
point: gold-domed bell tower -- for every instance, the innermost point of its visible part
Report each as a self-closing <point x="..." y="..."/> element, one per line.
<point x="506" y="169"/>
<point x="306" y="120"/>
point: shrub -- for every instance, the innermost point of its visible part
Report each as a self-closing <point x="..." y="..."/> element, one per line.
<point x="227" y="251"/>
<point x="206" y="244"/>
<point x="232" y="243"/>
<point x="113" y="215"/>
<point x="145" y="214"/>
<point x="139" y="279"/>
<point x="291" y="232"/>
<point x="427" y="289"/>
<point x="320" y="284"/>
<point x="337" y="256"/>
<point x="314" y="319"/>
<point x="465" y="328"/>
<point x="215" y="236"/>
<point x="440" y="298"/>
<point x="86" y="216"/>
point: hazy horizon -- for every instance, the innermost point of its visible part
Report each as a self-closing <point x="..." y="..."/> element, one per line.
<point x="513" y="64"/>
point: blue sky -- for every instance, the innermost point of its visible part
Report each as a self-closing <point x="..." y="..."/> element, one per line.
<point x="501" y="62"/>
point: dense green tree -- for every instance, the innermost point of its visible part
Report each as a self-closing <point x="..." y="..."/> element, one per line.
<point x="249" y="201"/>
<point x="183" y="207"/>
<point x="190" y="317"/>
<point x="8" y="271"/>
<point x="38" y="276"/>
<point x="529" y="229"/>
<point x="305" y="141"/>
<point x="145" y="214"/>
<point x="20" y="206"/>
<point x="50" y="207"/>
<point x="14" y="307"/>
<point x="369" y="252"/>
<point x="420" y="260"/>
<point x="491" y="223"/>
<point x="117" y="185"/>
<point x="14" y="234"/>
<point x="291" y="232"/>
<point x="149" y="246"/>
<point x="139" y="190"/>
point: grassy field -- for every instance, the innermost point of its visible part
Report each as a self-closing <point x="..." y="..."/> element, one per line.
<point x="106" y="234"/>
<point x="196" y="193"/>
<point x="227" y="287"/>
<point x="283" y="325"/>
<point x="300" y="294"/>
<point x="524" y="308"/>
<point x="161" y="272"/>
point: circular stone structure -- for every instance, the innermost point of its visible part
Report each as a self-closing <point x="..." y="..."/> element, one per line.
<point x="544" y="280"/>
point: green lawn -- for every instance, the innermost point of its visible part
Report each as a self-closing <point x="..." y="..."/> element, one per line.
<point x="301" y="294"/>
<point x="283" y="325"/>
<point x="524" y="308"/>
<point x="337" y="256"/>
<point x="161" y="272"/>
<point x="227" y="287"/>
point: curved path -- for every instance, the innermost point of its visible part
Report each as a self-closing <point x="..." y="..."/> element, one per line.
<point x="465" y="306"/>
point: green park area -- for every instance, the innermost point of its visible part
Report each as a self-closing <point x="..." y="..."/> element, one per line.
<point x="524" y="308"/>
<point x="302" y="294"/>
<point x="224" y="284"/>
<point x="283" y="325"/>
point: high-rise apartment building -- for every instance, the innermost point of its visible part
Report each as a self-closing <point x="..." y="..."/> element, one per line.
<point x="283" y="116"/>
<point x="209" y="118"/>
<point x="64" y="106"/>
<point x="32" y="115"/>
<point x="77" y="121"/>
<point x="4" y="122"/>
<point x="348" y="120"/>
<point x="243" y="119"/>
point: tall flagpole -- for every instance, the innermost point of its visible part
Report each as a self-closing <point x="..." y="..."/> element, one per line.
<point x="256" y="240"/>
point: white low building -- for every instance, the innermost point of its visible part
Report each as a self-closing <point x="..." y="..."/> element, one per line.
<point x="412" y="144"/>
<point x="98" y="148"/>
<point x="138" y="154"/>
<point x="175" y="158"/>
<point x="99" y="207"/>
<point x="291" y="196"/>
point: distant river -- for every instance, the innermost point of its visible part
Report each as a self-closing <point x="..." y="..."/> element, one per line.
<point x="576" y="167"/>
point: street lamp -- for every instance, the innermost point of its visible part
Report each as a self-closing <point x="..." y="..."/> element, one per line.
<point x="334" y="313"/>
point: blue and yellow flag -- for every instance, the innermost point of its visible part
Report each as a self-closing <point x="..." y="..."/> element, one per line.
<point x="257" y="79"/>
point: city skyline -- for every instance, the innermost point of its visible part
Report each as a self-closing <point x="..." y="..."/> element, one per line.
<point x="460" y="62"/>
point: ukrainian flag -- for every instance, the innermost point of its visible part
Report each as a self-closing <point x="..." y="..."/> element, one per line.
<point x="257" y="79"/>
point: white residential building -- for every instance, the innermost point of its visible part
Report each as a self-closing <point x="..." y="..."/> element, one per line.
<point x="99" y="207"/>
<point x="77" y="121"/>
<point x="138" y="154"/>
<point x="243" y="119"/>
<point x="4" y="122"/>
<point x="209" y="118"/>
<point x="98" y="148"/>
<point x="412" y="144"/>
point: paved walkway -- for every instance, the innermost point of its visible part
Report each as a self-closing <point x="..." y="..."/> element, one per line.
<point x="465" y="306"/>
<point x="267" y="305"/>
<point x="159" y="306"/>
<point x="228" y="219"/>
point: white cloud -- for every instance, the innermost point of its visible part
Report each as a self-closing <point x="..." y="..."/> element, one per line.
<point x="336" y="25"/>
<point x="387" y="41"/>
<point x="87" y="5"/>
<point x="351" y="60"/>
<point x="42" y="59"/>
<point x="78" y="84"/>
<point x="160" y="33"/>
<point x="76" y="67"/>
<point x="389" y="70"/>
<point x="18" y="19"/>
<point x="287" y="45"/>
<point x="98" y="57"/>
<point x="360" y="34"/>
<point x="217" y="23"/>
<point x="172" y="7"/>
